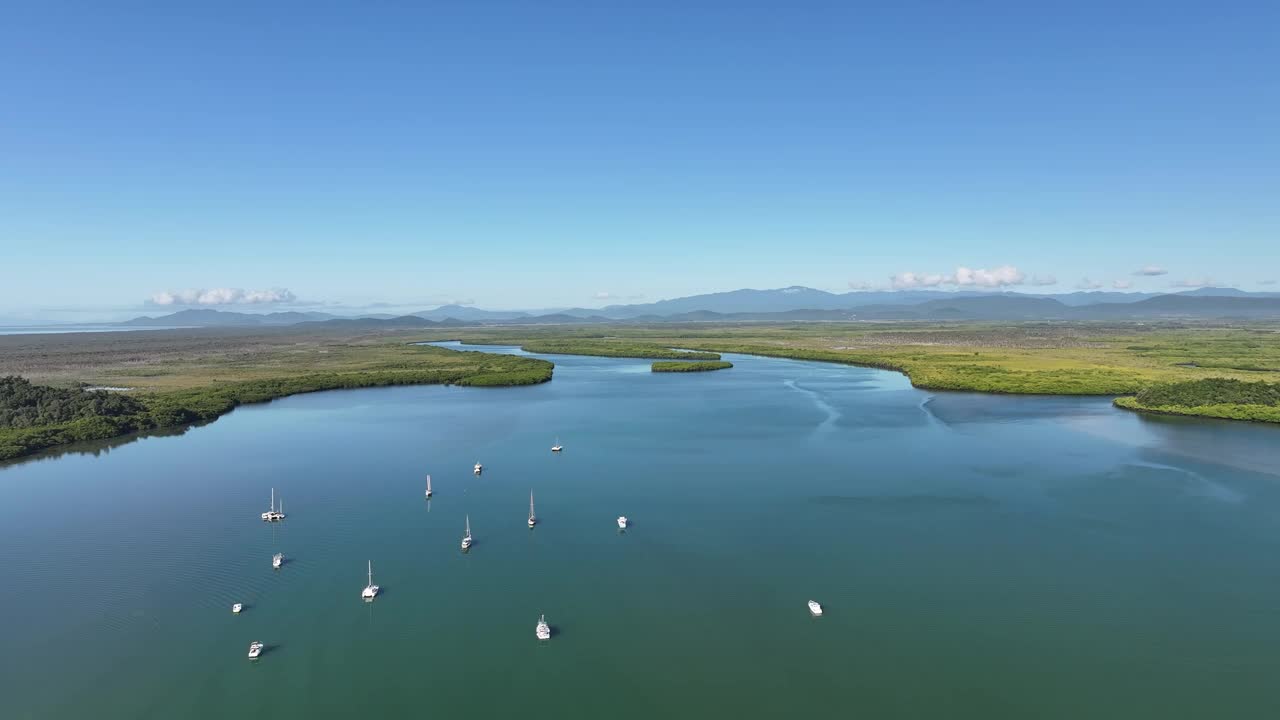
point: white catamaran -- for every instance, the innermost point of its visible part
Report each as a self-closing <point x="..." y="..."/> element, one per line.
<point x="543" y="631"/>
<point x="533" y="519"/>
<point x="428" y="486"/>
<point x="272" y="514"/>
<point x="466" y="538"/>
<point x="370" y="591"/>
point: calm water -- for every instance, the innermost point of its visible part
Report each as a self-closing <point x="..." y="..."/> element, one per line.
<point x="979" y="557"/>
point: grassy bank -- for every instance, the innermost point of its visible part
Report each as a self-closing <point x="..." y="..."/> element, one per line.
<point x="603" y="348"/>
<point x="1107" y="359"/>
<point x="1218" y="398"/>
<point x="676" y="366"/>
<point x="195" y="403"/>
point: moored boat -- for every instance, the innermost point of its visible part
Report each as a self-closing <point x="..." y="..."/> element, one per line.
<point x="272" y="514"/>
<point x="370" y="591"/>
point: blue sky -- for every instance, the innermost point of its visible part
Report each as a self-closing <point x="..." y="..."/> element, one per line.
<point x="563" y="154"/>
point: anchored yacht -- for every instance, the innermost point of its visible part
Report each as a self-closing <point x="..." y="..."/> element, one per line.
<point x="543" y="631"/>
<point x="236" y="608"/>
<point x="370" y="591"/>
<point x="622" y="522"/>
<point x="272" y="514"/>
<point x="815" y="608"/>
<point x="255" y="649"/>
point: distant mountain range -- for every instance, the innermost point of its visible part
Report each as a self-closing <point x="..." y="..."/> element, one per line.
<point x="793" y="304"/>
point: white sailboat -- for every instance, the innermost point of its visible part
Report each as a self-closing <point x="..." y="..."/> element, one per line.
<point x="557" y="447"/>
<point x="533" y="519"/>
<point x="272" y="514"/>
<point x="277" y="560"/>
<point x="543" y="631"/>
<point x="428" y="486"/>
<point x="370" y="591"/>
<point x="478" y="468"/>
<point x="466" y="538"/>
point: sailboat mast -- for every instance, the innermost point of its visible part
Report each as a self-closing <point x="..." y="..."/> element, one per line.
<point x="371" y="573"/>
<point x="530" y="503"/>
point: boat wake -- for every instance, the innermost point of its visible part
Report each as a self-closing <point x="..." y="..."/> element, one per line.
<point x="832" y="414"/>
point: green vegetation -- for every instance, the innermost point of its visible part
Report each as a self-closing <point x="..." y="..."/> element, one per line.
<point x="1214" y="397"/>
<point x="23" y="405"/>
<point x="35" y="417"/>
<point x="1054" y="358"/>
<point x="606" y="348"/>
<point x="676" y="366"/>
<point x="186" y="376"/>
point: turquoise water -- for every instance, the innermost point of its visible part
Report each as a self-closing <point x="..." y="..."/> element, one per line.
<point x="978" y="556"/>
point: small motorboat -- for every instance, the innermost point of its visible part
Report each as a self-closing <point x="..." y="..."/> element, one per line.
<point x="543" y="631"/>
<point x="815" y="608"/>
<point x="622" y="522"/>
<point x="236" y="608"/>
<point x="255" y="649"/>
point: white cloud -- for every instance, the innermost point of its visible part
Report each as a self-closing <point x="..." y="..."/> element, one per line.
<point x="1267" y="282"/>
<point x="1150" y="270"/>
<point x="1121" y="284"/>
<point x="1043" y="280"/>
<point x="602" y="295"/>
<point x="1193" y="282"/>
<point x="1087" y="284"/>
<point x="903" y="281"/>
<point x="223" y="296"/>
<point x="1002" y="276"/>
